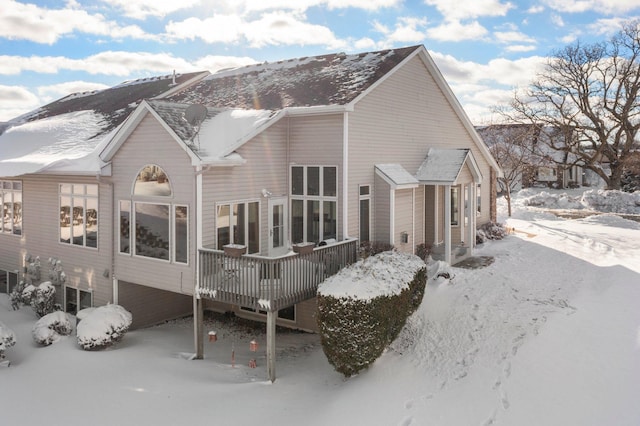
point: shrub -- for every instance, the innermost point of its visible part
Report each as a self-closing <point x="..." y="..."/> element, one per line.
<point x="103" y="327"/>
<point x="43" y="298"/>
<point x="371" y="248"/>
<point x="7" y="339"/>
<point x="51" y="327"/>
<point x="490" y="231"/>
<point x="363" y="308"/>
<point x="423" y="251"/>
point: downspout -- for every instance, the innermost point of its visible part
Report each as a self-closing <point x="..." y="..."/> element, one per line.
<point x="413" y="221"/>
<point x="198" y="325"/>
<point x="345" y="176"/>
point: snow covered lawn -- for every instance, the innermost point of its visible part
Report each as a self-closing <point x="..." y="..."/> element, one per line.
<point x="549" y="334"/>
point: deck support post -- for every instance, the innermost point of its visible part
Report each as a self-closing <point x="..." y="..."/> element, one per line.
<point x="271" y="344"/>
<point x="198" y="326"/>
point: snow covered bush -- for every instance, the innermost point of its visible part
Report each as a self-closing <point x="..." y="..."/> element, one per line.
<point x="371" y="248"/>
<point x="7" y="339"/>
<point x="490" y="231"/>
<point x="103" y="327"/>
<point x="51" y="327"/>
<point x="42" y="297"/>
<point x="363" y="308"/>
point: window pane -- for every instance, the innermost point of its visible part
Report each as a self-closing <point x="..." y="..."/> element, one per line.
<point x="455" y="205"/>
<point x="152" y="181"/>
<point x="17" y="213"/>
<point x="313" y="221"/>
<point x="254" y="227"/>
<point x="7" y="216"/>
<point x="239" y="230"/>
<point x="91" y="225"/>
<point x="313" y="180"/>
<point x="329" y="177"/>
<point x="222" y="223"/>
<point x="125" y="227"/>
<point x="278" y="226"/>
<point x="297" y="180"/>
<point x="85" y="299"/>
<point x="78" y="221"/>
<point x="71" y="300"/>
<point x="364" y="221"/>
<point x="65" y="188"/>
<point x="297" y="221"/>
<point x="182" y="234"/>
<point x="364" y="190"/>
<point x="152" y="230"/>
<point x="329" y="228"/>
<point x="65" y="219"/>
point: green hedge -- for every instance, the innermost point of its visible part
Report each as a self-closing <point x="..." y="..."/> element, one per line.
<point x="355" y="331"/>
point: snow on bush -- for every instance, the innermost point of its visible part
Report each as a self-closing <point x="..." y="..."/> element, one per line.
<point x="103" y="327"/>
<point x="363" y="308"/>
<point x="42" y="296"/>
<point x="7" y="339"/>
<point x="51" y="327"/>
<point x="490" y="231"/>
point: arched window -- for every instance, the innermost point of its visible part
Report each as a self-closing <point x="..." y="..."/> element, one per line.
<point x="152" y="181"/>
<point x="150" y="224"/>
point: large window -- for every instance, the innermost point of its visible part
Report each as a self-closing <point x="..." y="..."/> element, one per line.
<point x="79" y="214"/>
<point x="314" y="201"/>
<point x="365" y="213"/>
<point x="150" y="225"/>
<point x="8" y="281"/>
<point x="11" y="201"/>
<point x="239" y="223"/>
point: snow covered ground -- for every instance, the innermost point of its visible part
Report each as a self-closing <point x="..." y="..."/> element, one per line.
<point x="549" y="334"/>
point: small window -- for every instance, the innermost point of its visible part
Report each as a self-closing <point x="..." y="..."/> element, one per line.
<point x="455" y="205"/>
<point x="365" y="213"/>
<point x="152" y="181"/>
<point x="76" y="300"/>
<point x="11" y="205"/>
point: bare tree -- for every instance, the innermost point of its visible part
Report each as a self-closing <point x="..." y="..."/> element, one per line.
<point x="590" y="93"/>
<point x="514" y="149"/>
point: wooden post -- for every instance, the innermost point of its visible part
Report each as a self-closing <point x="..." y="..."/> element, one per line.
<point x="198" y="327"/>
<point x="271" y="345"/>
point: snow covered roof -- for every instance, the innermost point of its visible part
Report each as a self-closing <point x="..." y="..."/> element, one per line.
<point x="396" y="176"/>
<point x="333" y="79"/>
<point x="443" y="166"/>
<point x="219" y="134"/>
<point x="66" y="136"/>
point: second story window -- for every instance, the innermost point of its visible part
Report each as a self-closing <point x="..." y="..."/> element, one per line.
<point x="79" y="214"/>
<point x="314" y="202"/>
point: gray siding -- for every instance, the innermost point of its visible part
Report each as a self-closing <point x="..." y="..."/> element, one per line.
<point x="403" y="217"/>
<point x="86" y="268"/>
<point x="150" y="306"/>
<point x="398" y="122"/>
<point x="381" y="228"/>
<point x="151" y="144"/>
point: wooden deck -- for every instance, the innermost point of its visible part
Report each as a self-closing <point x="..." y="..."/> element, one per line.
<point x="270" y="283"/>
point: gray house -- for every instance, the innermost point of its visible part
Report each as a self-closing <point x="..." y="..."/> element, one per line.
<point x="242" y="191"/>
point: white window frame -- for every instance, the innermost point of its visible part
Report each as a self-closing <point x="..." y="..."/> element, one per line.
<point x="134" y="221"/>
<point x="12" y="187"/>
<point x="78" y="291"/>
<point x="84" y="196"/>
<point x="174" y="234"/>
<point x="457" y="191"/>
<point x="305" y="198"/>
<point x="364" y="197"/>
<point x="246" y="203"/>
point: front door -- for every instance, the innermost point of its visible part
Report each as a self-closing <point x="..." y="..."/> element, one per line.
<point x="278" y="237"/>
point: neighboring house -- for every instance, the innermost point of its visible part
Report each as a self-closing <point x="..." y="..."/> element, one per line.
<point x="534" y="159"/>
<point x="243" y="191"/>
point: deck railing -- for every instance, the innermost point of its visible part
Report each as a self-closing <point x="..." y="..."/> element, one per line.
<point x="270" y="283"/>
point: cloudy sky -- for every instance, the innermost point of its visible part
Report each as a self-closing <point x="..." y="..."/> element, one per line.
<point x="484" y="48"/>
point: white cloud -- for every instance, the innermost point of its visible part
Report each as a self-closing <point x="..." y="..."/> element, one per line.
<point x="557" y="20"/>
<point x="106" y="63"/>
<point x="407" y="30"/>
<point x="248" y="6"/>
<point x="609" y="7"/>
<point x="506" y="37"/>
<point x="215" y="63"/>
<point x="519" y="48"/>
<point x="218" y="28"/>
<point x="57" y="91"/>
<point x="20" y="21"/>
<point x="456" y="31"/>
<point x="463" y="9"/>
<point x="16" y="100"/>
<point x="535" y="9"/>
<point x="141" y="9"/>
<point x="280" y="28"/>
